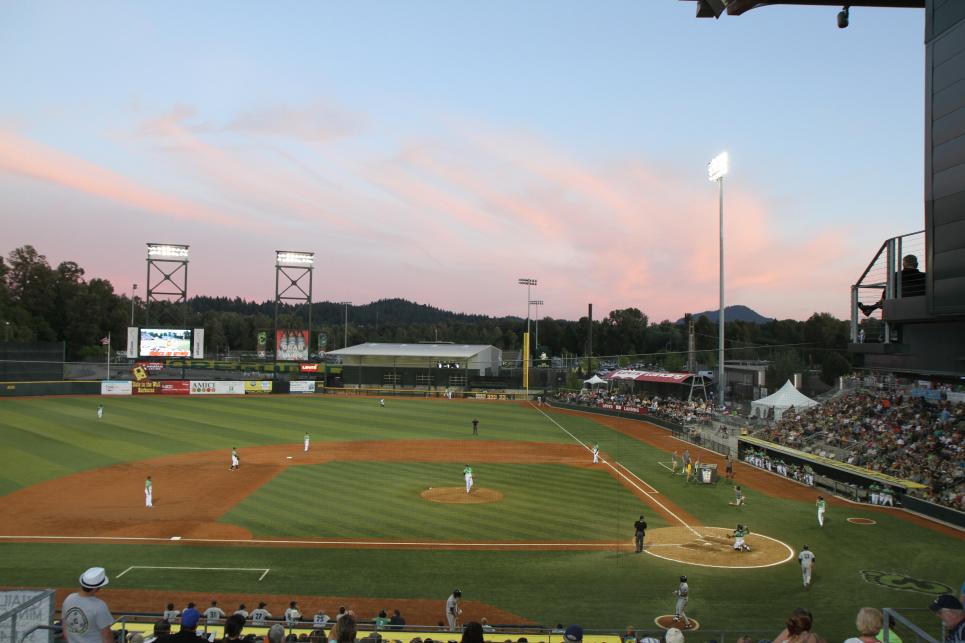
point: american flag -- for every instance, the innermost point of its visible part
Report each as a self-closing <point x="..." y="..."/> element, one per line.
<point x="105" y="341"/>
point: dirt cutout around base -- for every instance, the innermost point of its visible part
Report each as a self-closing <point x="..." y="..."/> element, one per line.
<point x="711" y="547"/>
<point x="666" y="622"/>
<point x="458" y="495"/>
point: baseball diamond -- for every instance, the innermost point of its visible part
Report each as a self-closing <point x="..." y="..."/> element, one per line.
<point x="379" y="495"/>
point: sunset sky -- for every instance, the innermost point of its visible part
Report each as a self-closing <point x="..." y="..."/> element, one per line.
<point x="438" y="151"/>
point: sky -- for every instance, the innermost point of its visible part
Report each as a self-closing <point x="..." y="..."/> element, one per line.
<point x="440" y="151"/>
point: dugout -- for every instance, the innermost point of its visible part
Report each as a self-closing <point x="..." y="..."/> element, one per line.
<point x="429" y="365"/>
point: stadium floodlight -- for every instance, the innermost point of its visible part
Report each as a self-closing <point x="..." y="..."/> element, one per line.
<point x="537" y="303"/>
<point x="292" y="258"/>
<point x="718" y="167"/>
<point x="345" y="327"/>
<point x="167" y="251"/>
<point x="716" y="171"/>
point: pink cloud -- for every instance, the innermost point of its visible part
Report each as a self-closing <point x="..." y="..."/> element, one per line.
<point x="22" y="156"/>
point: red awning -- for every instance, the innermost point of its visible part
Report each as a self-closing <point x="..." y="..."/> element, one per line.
<point x="650" y="376"/>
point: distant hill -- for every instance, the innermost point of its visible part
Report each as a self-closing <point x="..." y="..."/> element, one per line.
<point x="733" y="313"/>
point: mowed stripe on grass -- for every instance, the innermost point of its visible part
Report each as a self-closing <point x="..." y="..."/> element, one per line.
<point x="380" y="500"/>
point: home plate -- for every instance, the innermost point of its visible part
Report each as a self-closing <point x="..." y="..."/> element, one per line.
<point x="175" y="537"/>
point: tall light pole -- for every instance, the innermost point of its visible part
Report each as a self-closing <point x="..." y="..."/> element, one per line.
<point x="529" y="283"/>
<point x="133" y="295"/>
<point x="345" y="336"/>
<point x="716" y="171"/>
<point x="537" y="303"/>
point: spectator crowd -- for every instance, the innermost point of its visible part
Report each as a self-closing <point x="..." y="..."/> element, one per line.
<point x="907" y="437"/>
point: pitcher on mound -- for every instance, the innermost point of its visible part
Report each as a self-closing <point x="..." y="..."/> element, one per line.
<point x="467" y="474"/>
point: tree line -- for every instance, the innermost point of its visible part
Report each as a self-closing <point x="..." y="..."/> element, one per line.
<point x="42" y="303"/>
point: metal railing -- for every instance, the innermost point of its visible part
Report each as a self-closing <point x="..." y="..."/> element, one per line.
<point x="880" y="282"/>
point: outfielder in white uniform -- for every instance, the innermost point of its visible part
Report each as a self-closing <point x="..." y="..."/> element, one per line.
<point x="148" y="492"/>
<point x="596" y="454"/>
<point x="467" y="474"/>
<point x="307" y="440"/>
<point x="821" y="505"/>
<point x="806" y="558"/>
<point x="382" y="402"/>
<point x="452" y="609"/>
<point x="100" y="411"/>
<point x="683" y="596"/>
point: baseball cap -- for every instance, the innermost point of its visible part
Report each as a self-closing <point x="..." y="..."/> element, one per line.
<point x="945" y="602"/>
<point x="190" y="617"/>
<point x="574" y="633"/>
<point x="674" y="636"/>
<point x="93" y="578"/>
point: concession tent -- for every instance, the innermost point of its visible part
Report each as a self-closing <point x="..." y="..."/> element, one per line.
<point x="596" y="379"/>
<point x="781" y="401"/>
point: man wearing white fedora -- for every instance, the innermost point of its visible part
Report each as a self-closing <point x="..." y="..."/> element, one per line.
<point x="86" y="618"/>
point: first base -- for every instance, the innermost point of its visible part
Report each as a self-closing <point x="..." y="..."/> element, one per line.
<point x="289" y="458"/>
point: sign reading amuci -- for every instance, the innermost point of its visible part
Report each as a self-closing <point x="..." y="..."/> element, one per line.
<point x="202" y="387"/>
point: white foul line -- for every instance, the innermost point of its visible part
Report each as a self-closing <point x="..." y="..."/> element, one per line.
<point x="124" y="572"/>
<point x="619" y="473"/>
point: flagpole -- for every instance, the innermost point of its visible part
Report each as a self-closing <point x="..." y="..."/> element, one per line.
<point x="108" y="355"/>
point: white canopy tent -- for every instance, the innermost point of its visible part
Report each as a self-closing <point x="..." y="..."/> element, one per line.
<point x="787" y="397"/>
<point x="595" y="380"/>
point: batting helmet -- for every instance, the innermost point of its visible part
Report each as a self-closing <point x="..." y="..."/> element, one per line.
<point x="456" y="593"/>
<point x="683" y="579"/>
<point x="805" y="547"/>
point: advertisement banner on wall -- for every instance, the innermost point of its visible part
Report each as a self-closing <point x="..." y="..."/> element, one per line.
<point x="291" y="345"/>
<point x="204" y="387"/>
<point x="146" y="387"/>
<point x="253" y="387"/>
<point x="198" y="343"/>
<point x="115" y="388"/>
<point x="262" y="344"/>
<point x="132" y="341"/>
<point x="175" y="387"/>
<point x="300" y="386"/>
<point x="308" y="368"/>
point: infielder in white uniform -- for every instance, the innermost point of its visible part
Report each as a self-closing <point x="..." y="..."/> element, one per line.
<point x="467" y="474"/>
<point x="683" y="596"/>
<point x="382" y="402"/>
<point x="806" y="558"/>
<point x="452" y="608"/>
<point x="307" y="440"/>
<point x="235" y="463"/>
<point x="596" y="454"/>
<point x="148" y="492"/>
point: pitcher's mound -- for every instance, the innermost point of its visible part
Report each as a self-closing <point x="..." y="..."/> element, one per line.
<point x="458" y="495"/>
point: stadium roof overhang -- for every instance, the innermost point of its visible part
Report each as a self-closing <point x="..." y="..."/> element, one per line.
<point x="652" y="376"/>
<point x="714" y="8"/>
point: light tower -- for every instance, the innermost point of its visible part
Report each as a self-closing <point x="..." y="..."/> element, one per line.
<point x="716" y="171"/>
<point x="291" y="270"/>
<point x="167" y="275"/>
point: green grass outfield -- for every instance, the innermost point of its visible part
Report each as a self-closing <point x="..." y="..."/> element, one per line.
<point x="51" y="437"/>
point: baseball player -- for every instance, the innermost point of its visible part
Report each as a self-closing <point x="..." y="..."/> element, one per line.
<point x="382" y="402"/>
<point x="738" y="536"/>
<point x="100" y="411"/>
<point x="467" y="474"/>
<point x="260" y="615"/>
<point x="875" y="494"/>
<point x="639" y="531"/>
<point x="292" y="614"/>
<point x="452" y="609"/>
<point x="235" y="463"/>
<point x="887" y="497"/>
<point x="683" y="595"/>
<point x="308" y="439"/>
<point x="729" y="467"/>
<point x="213" y="613"/>
<point x="673" y="463"/>
<point x="821" y="505"/>
<point x="475" y="426"/>
<point x="806" y="558"/>
<point x="738" y="496"/>
<point x="148" y="492"/>
<point x="596" y="453"/>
